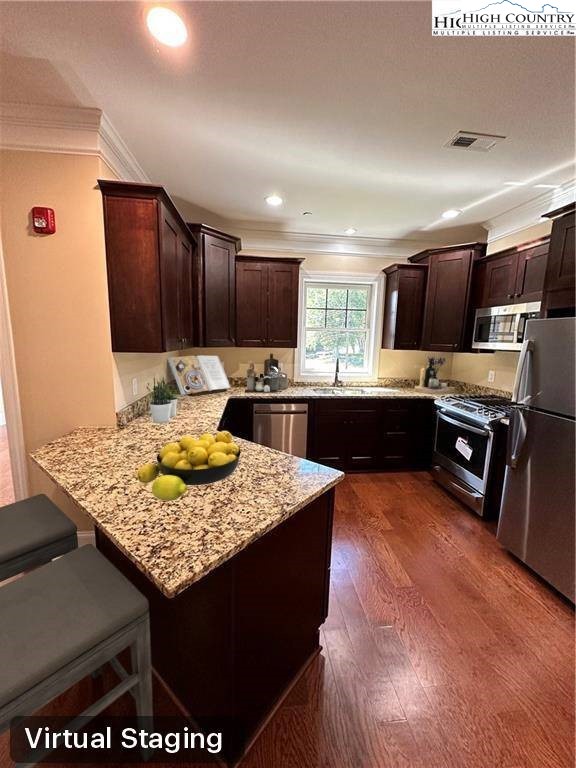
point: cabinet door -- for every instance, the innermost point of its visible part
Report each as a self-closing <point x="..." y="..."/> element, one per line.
<point x="347" y="434"/>
<point x="403" y="310"/>
<point x="560" y="268"/>
<point x="131" y="227"/>
<point x="170" y="266"/>
<point x="530" y="273"/>
<point x="185" y="293"/>
<point x="282" y="304"/>
<point x="251" y="303"/>
<point x="447" y="301"/>
<point x="363" y="435"/>
<point x="219" y="263"/>
<point x="499" y="281"/>
<point x="329" y="438"/>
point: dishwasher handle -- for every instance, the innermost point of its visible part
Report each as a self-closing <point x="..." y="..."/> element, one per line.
<point x="279" y="408"/>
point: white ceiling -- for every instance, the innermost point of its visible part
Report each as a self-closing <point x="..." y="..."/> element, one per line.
<point x="342" y="108"/>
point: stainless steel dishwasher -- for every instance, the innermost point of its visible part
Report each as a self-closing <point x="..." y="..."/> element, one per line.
<point x="282" y="426"/>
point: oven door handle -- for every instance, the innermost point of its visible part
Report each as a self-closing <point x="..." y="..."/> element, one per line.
<point x="442" y="415"/>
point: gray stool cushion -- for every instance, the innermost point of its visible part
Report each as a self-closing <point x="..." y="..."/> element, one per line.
<point x="58" y="612"/>
<point x="33" y="525"/>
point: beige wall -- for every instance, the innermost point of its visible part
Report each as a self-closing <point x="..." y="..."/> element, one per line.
<point x="474" y="368"/>
<point x="541" y="229"/>
<point x="58" y="298"/>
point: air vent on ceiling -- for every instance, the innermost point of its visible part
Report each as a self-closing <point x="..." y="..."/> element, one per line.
<point x="475" y="142"/>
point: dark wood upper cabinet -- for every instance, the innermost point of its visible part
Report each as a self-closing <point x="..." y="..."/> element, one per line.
<point x="266" y="302"/>
<point x="404" y="306"/>
<point x="283" y="288"/>
<point x="513" y="276"/>
<point x="446" y="308"/>
<point x="214" y="280"/>
<point x="251" y="302"/>
<point x="560" y="282"/>
<point x="148" y="258"/>
<point x="530" y="273"/>
<point x="498" y="276"/>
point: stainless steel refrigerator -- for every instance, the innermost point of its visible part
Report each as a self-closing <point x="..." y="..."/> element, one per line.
<point x="538" y="508"/>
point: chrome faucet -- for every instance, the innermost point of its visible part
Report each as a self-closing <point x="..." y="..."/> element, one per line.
<point x="337" y="382"/>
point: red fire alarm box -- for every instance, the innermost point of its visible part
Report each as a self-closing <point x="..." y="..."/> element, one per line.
<point x="43" y="220"/>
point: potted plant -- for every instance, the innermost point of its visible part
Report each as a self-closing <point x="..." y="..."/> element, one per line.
<point x="161" y="402"/>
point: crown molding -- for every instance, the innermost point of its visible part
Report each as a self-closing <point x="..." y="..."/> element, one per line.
<point x="259" y="242"/>
<point x="529" y="213"/>
<point x="69" y="131"/>
<point x="117" y="155"/>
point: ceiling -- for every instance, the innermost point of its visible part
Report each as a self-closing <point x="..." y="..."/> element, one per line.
<point x="342" y="108"/>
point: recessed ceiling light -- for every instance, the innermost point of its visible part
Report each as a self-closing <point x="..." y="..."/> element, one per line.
<point x="274" y="200"/>
<point x="547" y="186"/>
<point x="350" y="231"/>
<point x="451" y="213"/>
<point x="514" y="183"/>
<point x="166" y="26"/>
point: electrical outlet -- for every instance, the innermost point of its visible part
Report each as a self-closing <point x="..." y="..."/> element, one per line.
<point x="134" y="386"/>
<point x="491" y="377"/>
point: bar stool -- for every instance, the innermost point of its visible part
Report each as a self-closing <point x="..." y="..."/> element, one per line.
<point x="33" y="532"/>
<point x="64" y="621"/>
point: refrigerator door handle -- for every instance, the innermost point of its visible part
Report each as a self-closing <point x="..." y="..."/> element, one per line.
<point x="516" y="439"/>
<point x="525" y="352"/>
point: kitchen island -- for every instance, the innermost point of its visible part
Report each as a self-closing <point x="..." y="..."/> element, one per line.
<point x="236" y="572"/>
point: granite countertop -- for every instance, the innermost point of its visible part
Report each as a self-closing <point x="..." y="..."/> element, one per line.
<point x="176" y="543"/>
<point x="360" y="391"/>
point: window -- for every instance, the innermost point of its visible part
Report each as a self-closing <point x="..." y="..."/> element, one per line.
<point x="338" y="321"/>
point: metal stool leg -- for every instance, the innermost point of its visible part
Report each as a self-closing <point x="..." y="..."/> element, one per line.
<point x="142" y="666"/>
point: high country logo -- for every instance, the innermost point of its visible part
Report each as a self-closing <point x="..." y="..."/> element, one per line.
<point x="503" y="18"/>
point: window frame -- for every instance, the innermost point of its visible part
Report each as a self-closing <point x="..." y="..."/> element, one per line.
<point x="374" y="323"/>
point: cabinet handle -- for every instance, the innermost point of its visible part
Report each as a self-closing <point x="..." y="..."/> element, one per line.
<point x="510" y="296"/>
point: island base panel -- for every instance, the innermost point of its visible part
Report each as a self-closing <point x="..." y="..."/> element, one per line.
<point x="230" y="645"/>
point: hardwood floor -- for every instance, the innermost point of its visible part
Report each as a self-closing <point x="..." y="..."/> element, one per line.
<point x="6" y="486"/>
<point x="440" y="650"/>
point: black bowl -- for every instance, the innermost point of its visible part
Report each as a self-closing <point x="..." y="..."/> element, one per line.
<point x="200" y="476"/>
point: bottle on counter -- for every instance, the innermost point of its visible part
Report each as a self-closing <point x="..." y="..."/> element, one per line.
<point x="422" y="377"/>
<point x="430" y="373"/>
<point x="271" y="365"/>
<point x="259" y="385"/>
<point x="250" y="378"/>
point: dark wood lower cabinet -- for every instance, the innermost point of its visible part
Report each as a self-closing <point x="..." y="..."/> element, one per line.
<point x="372" y="434"/>
<point x="231" y="645"/>
<point x="345" y="434"/>
<point x="407" y="433"/>
<point x="356" y="434"/>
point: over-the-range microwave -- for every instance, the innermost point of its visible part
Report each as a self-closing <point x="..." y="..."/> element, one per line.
<point x="503" y="328"/>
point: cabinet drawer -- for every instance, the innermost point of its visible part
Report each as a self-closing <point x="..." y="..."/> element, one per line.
<point x="347" y="406"/>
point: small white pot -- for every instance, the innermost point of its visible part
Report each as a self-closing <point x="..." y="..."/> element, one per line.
<point x="161" y="413"/>
<point x="174" y="406"/>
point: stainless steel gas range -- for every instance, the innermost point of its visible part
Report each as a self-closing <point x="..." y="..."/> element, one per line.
<point x="469" y="449"/>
